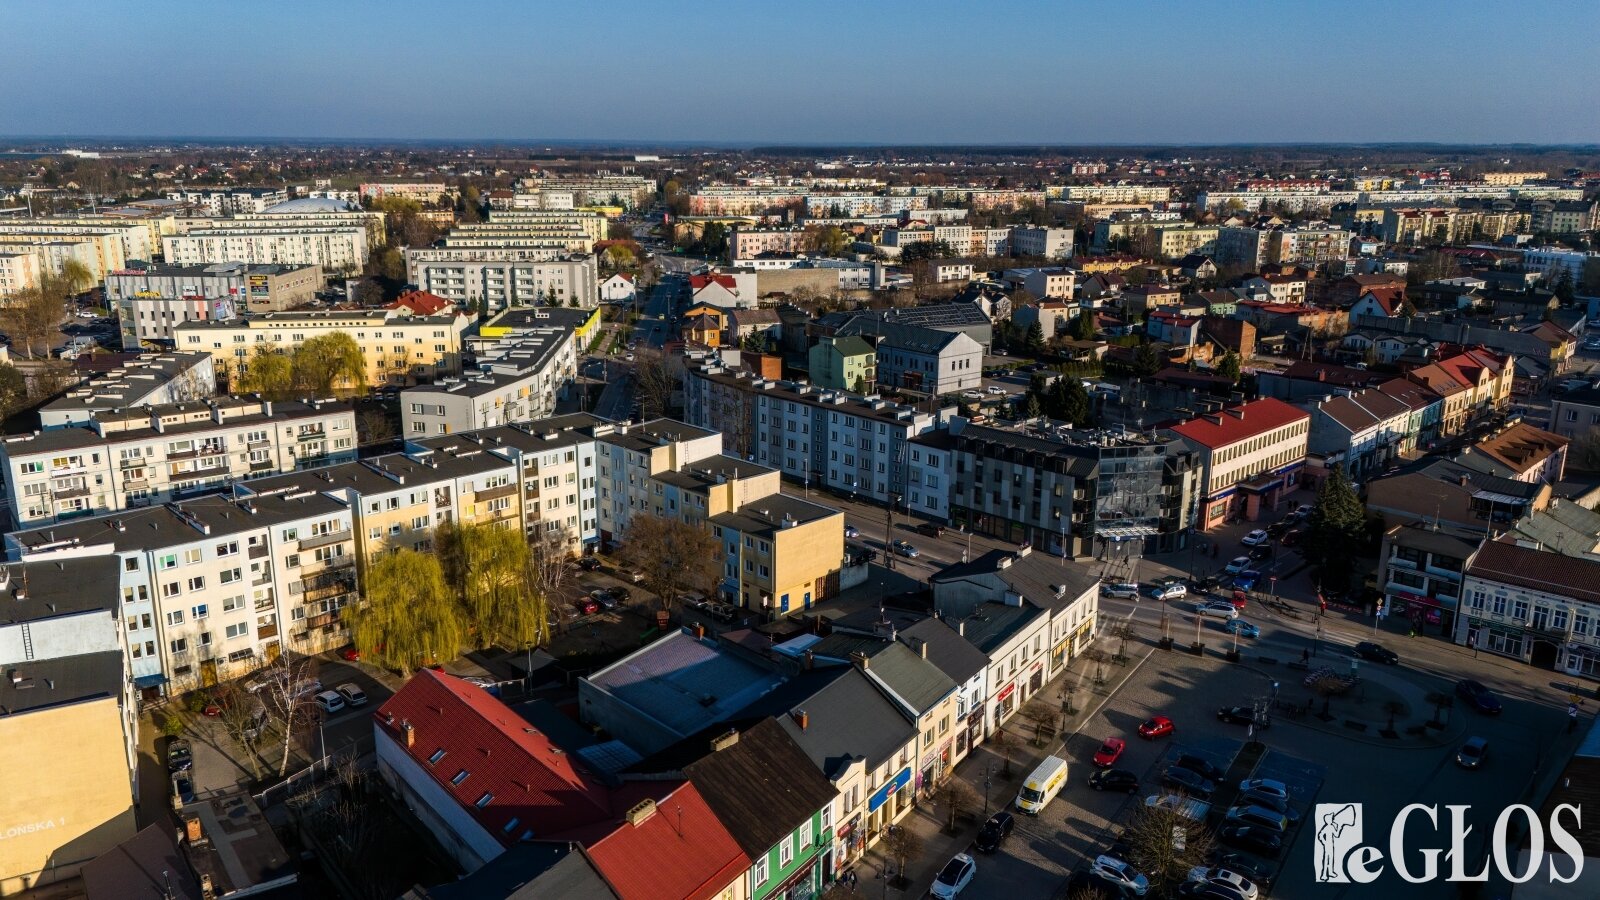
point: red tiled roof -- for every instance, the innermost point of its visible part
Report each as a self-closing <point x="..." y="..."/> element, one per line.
<point x="421" y="303"/>
<point x="696" y="282"/>
<point x="528" y="777"/>
<point x="682" y="852"/>
<point x="1237" y="423"/>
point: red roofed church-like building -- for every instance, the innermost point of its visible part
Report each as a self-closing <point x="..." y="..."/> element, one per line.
<point x="482" y="780"/>
<point x="1252" y="455"/>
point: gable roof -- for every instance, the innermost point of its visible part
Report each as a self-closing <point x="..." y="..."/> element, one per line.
<point x="680" y="851"/>
<point x="1236" y="423"/>
<point x="1518" y="448"/>
<point x="846" y="718"/>
<point x="697" y="282"/>
<point x="914" y="683"/>
<point x="1540" y="570"/>
<point x="421" y="303"/>
<point x="1366" y="409"/>
<point x="761" y="786"/>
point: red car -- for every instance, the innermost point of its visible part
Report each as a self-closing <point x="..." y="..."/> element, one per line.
<point x="1155" y="727"/>
<point x="1239" y="599"/>
<point x="587" y="606"/>
<point x="350" y="653"/>
<point x="1109" y="751"/>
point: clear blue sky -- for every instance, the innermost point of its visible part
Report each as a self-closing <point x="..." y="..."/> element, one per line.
<point x="868" y="71"/>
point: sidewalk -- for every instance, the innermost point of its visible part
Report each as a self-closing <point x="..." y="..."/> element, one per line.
<point x="929" y="818"/>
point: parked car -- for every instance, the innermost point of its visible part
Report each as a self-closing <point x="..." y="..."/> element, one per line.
<point x="1471" y="754"/>
<point x="1221" y="609"/>
<point x="1114" y="780"/>
<point x="1478" y="697"/>
<point x="306" y="687"/>
<point x="587" y="606"/>
<point x="1247" y="866"/>
<point x="1241" y="627"/>
<point x="1292" y="537"/>
<point x="1120" y="590"/>
<point x="972" y="395"/>
<point x="956" y="875"/>
<point x="588" y="563"/>
<point x="1255" y="538"/>
<point x="605" y="598"/>
<point x="183" y="788"/>
<point x="350" y="654"/>
<point x="353" y="696"/>
<point x="1118" y="872"/>
<point x="1155" y="726"/>
<point x="1239" y="715"/>
<point x="901" y="548"/>
<point x="1301" y="512"/>
<point x="995" y="831"/>
<point x="1207" y="890"/>
<point x="1200" y="765"/>
<point x="1377" y="653"/>
<point x="1270" y="819"/>
<point x="1260" y="553"/>
<point x="930" y="529"/>
<point x="1270" y="801"/>
<point x="995" y="389"/>
<point x="1270" y="786"/>
<point x="1188" y="780"/>
<point x="1110" y="751"/>
<point x="180" y="757"/>
<point x="1251" y="839"/>
<point x="1238" y="881"/>
<point x="850" y="531"/>
<point x="1088" y="883"/>
<point x="1236" y="565"/>
<point x="1246" y="580"/>
<point x="330" y="702"/>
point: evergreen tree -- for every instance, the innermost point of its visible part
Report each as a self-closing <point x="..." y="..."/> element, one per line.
<point x="1035" y="338"/>
<point x="1146" y="362"/>
<point x="1228" y="366"/>
<point x="1335" y="531"/>
<point x="1083" y="326"/>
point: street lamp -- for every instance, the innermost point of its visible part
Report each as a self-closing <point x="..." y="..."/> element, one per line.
<point x="988" y="773"/>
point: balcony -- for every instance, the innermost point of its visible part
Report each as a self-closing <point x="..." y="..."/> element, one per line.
<point x="494" y="493"/>
<point x="314" y="435"/>
<point x="267" y="631"/>
<point x="322" y="540"/>
<point x="258" y="551"/>
<point x="69" y="493"/>
<point x="132" y="463"/>
<point x="264" y="465"/>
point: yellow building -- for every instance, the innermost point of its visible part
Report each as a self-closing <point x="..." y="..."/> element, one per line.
<point x="399" y="348"/>
<point x="19" y="271"/>
<point x="783" y="553"/>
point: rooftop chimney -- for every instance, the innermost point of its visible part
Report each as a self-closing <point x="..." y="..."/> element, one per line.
<point x="725" y="740"/>
<point x="410" y="733"/>
<point x="801" y="718"/>
<point x="191" y="829"/>
<point x="641" y="812"/>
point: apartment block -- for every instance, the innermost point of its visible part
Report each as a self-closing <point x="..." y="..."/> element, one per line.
<point x="746" y="242"/>
<point x="503" y="277"/>
<point x="626" y="191"/>
<point x="336" y="249"/>
<point x="1050" y="243"/>
<point x="420" y="191"/>
<point x="146" y="380"/>
<point x="20" y="270"/>
<point x="130" y="458"/>
<point x="846" y="442"/>
<point x="55" y="251"/>
<point x="226" y="201"/>
<point x="150" y="303"/>
<point x="520" y="382"/>
<point x="68" y="720"/>
<point x="110" y="242"/>
<point x="399" y="348"/>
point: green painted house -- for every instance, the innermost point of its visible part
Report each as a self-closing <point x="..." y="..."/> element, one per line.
<point x="844" y="364"/>
<point x="769" y="796"/>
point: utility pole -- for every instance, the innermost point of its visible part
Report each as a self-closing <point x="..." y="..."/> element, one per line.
<point x="888" y="534"/>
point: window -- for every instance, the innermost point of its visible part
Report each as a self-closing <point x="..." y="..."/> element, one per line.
<point x="169" y="561"/>
<point x="228" y="549"/>
<point x="805" y="836"/>
<point x="786" y="851"/>
<point x="229" y="576"/>
<point x="180" y="645"/>
<point x="460" y="777"/>
<point x="191" y="556"/>
<point x="201" y="611"/>
<point x="237" y="630"/>
<point x="175" y="618"/>
<point x="484" y="800"/>
<point x="233" y="603"/>
<point x="437" y="755"/>
<point x="758" y="872"/>
<point x="197" y="583"/>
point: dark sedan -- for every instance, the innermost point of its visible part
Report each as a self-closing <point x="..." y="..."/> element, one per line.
<point x="1377" y="653"/>
<point x="1239" y="715"/>
<point x="1252" y="839"/>
<point x="1200" y="766"/>
<point x="1478" y="697"/>
<point x="994" y="832"/>
<point x="1114" y="780"/>
<point x="1188" y="780"/>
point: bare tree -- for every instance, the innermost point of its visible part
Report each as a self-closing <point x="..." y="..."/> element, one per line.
<point x="1165" y="844"/>
<point x="655" y="382"/>
<point x="1124" y="632"/>
<point x="959" y="797"/>
<point x="902" y="845"/>
<point x="239" y="722"/>
<point x="672" y="555"/>
<point x="1046" y="719"/>
<point x="286" y="699"/>
<point x="374" y="426"/>
<point x="1003" y="742"/>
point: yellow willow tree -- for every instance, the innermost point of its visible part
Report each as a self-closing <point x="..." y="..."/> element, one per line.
<point x="492" y="570"/>
<point x="408" y="616"/>
<point x="329" y="364"/>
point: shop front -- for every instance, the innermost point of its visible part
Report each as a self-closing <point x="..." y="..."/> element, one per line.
<point x="1036" y="678"/>
<point x="972" y="734"/>
<point x="1427" y="614"/>
<point x="934" y="764"/>
<point x="888" y="801"/>
<point x="1061" y="653"/>
<point x="849" y="842"/>
<point x="804" y="884"/>
<point x="1005" y="703"/>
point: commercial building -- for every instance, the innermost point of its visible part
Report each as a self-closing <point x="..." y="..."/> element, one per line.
<point x="853" y="444"/>
<point x="150" y="303"/>
<point x="486" y="785"/>
<point x="1532" y="604"/>
<point x="1069" y="492"/>
<point x="341" y="249"/>
<point x="527" y="373"/>
<point x="146" y="380"/>
<point x="68" y="723"/>
<point x="1250" y="457"/>
<point x="399" y="348"/>
<point x="502" y="277"/>
<point x="139" y="456"/>
<point x="1361" y="431"/>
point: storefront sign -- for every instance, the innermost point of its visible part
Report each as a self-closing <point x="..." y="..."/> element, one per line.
<point x="1006" y="692"/>
<point x="882" y="794"/>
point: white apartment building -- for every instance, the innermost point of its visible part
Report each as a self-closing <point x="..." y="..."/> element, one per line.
<point x="113" y="241"/>
<point x="1111" y="193"/>
<point x="506" y="277"/>
<point x="1250" y="455"/>
<point x="54" y="251"/>
<point x="592" y="223"/>
<point x="129" y="458"/>
<point x="420" y="191"/>
<point x="215" y="587"/>
<point x="226" y="201"/>
<point x="748" y="241"/>
<point x="336" y="249"/>
<point x="399" y="348"/>
<point x="1056" y="283"/>
<point x="20" y="270"/>
<point x="528" y="372"/>
<point x="147" y="380"/>
<point x="1050" y="243"/>
<point x="836" y="205"/>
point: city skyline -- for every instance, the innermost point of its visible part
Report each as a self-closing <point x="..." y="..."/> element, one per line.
<point x="728" y="74"/>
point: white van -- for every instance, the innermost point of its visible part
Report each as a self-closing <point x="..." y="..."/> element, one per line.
<point x="1042" y="786"/>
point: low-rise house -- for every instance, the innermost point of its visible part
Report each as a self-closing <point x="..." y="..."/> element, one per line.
<point x="1534" y="605"/>
<point x="844" y="364"/>
<point x="1361" y="431"/>
<point x="1521" y="452"/>
<point x="1054" y="317"/>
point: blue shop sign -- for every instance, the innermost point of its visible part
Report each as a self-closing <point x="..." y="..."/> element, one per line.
<point x="882" y="795"/>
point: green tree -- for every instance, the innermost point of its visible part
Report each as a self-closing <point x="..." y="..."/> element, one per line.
<point x="1408" y="310"/>
<point x="1335" y="531"/>
<point x="408" y="616"/>
<point x="330" y="364"/>
<point x="491" y="569"/>
<point x="269" y="373"/>
<point x="1228" y="366"/>
<point x="1146" y="361"/>
<point x="1083" y="326"/>
<point x="1035" y="338"/>
<point x="74" y="277"/>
